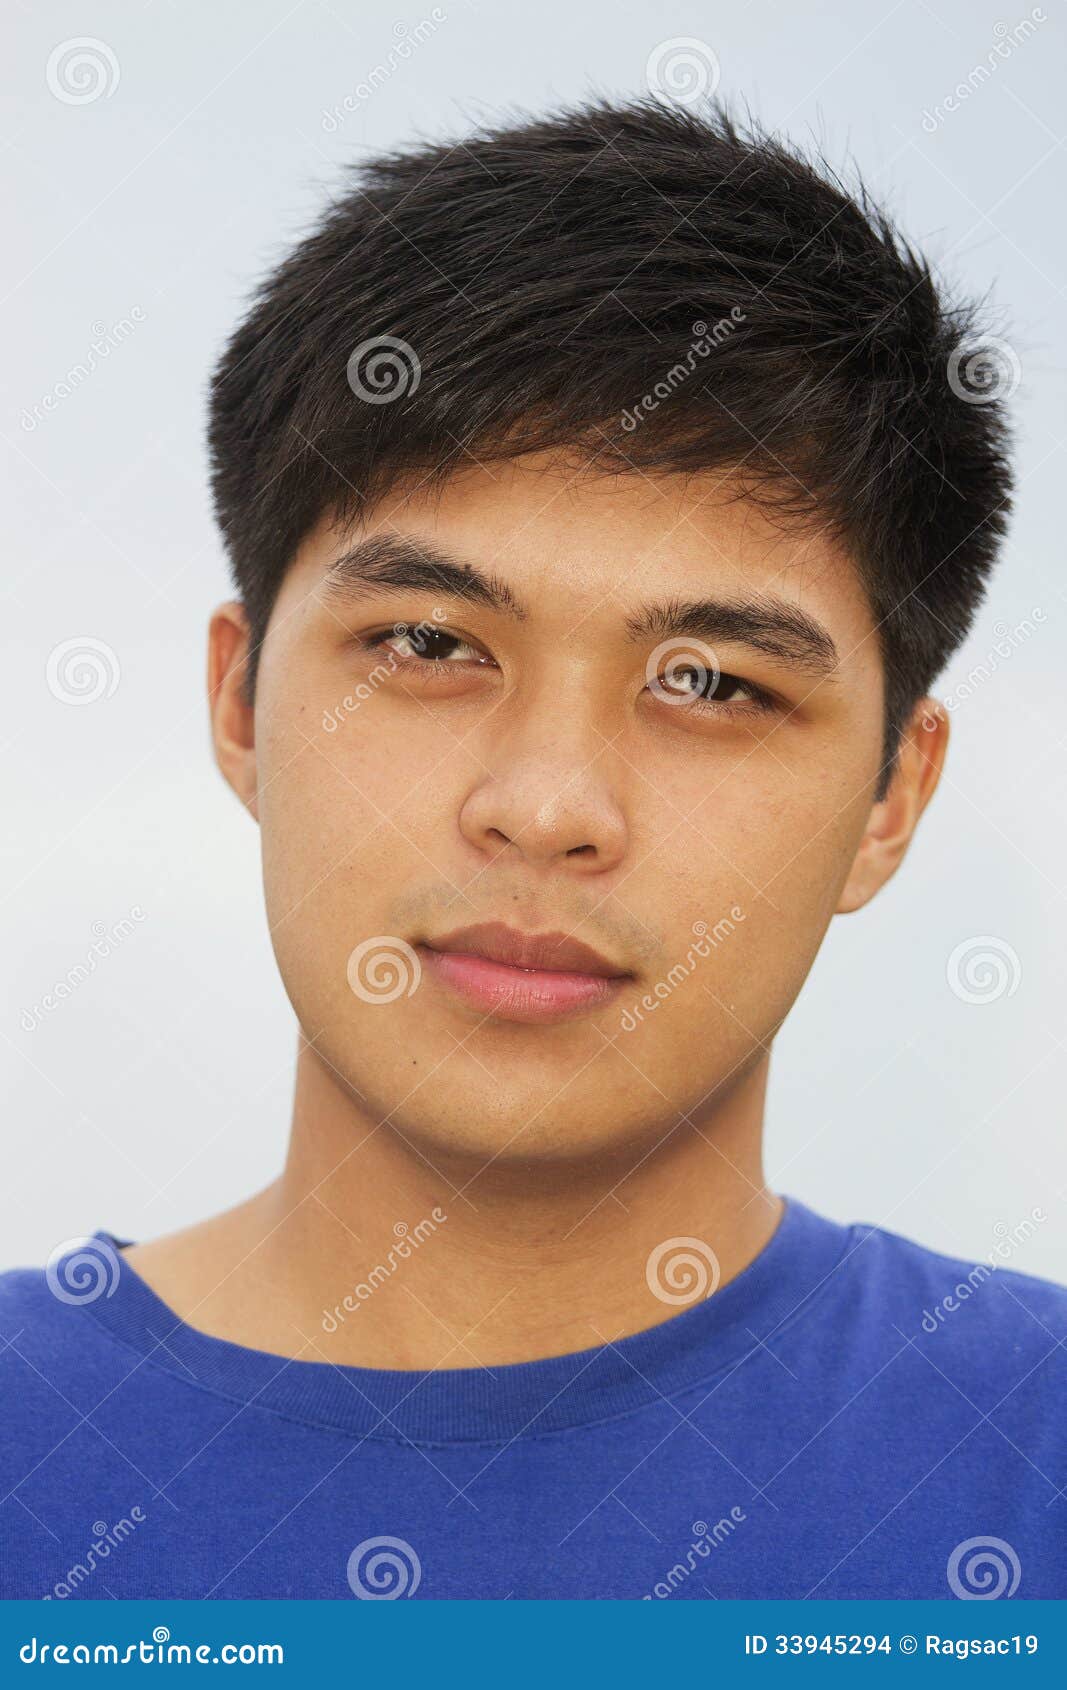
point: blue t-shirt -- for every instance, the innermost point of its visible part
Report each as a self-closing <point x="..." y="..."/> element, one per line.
<point x="852" y="1416"/>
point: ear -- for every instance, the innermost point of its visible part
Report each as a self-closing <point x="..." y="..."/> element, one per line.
<point x="233" y="725"/>
<point x="893" y="819"/>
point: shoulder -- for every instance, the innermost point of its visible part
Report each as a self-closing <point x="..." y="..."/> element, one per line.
<point x="78" y="1274"/>
<point x="25" y="1302"/>
<point x="948" y="1283"/>
<point x="985" y="1326"/>
<point x="57" y="1362"/>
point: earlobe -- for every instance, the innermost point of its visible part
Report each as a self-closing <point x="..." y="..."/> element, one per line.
<point x="232" y="712"/>
<point x="894" y="818"/>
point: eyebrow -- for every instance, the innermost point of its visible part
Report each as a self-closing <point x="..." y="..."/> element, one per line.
<point x="774" y="626"/>
<point x="382" y="563"/>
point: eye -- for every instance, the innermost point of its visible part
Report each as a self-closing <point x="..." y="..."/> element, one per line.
<point x="694" y="681"/>
<point x="426" y="643"/>
<point x="705" y="687"/>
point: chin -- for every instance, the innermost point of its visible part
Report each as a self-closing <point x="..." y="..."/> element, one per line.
<point x="481" y="1130"/>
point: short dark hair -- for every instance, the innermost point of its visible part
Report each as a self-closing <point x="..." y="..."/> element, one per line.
<point x="550" y="283"/>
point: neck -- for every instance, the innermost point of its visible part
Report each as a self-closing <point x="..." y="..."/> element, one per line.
<point x="369" y="1251"/>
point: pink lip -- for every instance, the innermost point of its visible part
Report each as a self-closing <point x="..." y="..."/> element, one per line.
<point x="524" y="977"/>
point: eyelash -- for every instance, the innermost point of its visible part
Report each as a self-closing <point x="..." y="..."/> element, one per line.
<point x="759" y="698"/>
<point x="401" y="630"/>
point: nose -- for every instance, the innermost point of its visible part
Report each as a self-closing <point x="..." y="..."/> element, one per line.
<point x="548" y="796"/>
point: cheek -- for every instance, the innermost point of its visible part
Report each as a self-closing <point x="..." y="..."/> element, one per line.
<point x="352" y="803"/>
<point x="749" y="883"/>
<point x="329" y="859"/>
<point x="760" y="825"/>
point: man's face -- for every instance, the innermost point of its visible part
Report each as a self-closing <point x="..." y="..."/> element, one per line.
<point x="625" y="713"/>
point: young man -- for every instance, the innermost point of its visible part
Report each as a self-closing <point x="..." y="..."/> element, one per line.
<point x="603" y="494"/>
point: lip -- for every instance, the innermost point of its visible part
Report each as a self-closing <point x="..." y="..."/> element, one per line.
<point x="534" y="978"/>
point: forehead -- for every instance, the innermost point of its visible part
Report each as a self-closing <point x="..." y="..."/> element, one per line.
<point x="576" y="544"/>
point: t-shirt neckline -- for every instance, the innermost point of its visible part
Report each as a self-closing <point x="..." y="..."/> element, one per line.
<point x="493" y="1404"/>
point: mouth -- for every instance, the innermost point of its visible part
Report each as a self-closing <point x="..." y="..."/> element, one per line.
<point x="533" y="978"/>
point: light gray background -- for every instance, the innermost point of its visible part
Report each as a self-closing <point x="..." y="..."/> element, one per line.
<point x="160" y="1088"/>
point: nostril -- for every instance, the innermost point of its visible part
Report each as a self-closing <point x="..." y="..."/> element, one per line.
<point x="582" y="851"/>
<point x="497" y="838"/>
